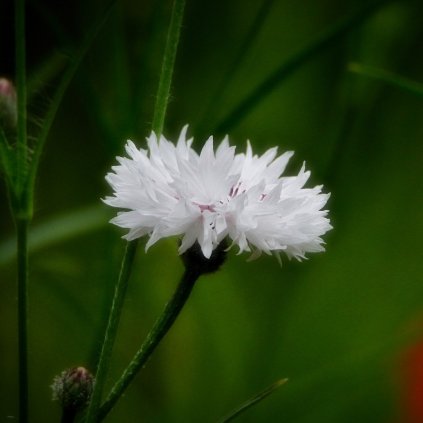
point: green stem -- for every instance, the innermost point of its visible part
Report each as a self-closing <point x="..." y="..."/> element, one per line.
<point x="163" y="91"/>
<point x="22" y="262"/>
<point x="159" y="330"/>
<point x="21" y="161"/>
<point x="157" y="126"/>
<point x="112" y="325"/>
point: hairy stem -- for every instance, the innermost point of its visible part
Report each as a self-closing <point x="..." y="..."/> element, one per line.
<point x="22" y="262"/>
<point x="157" y="126"/>
<point x="159" y="330"/>
<point x="110" y="335"/>
<point x="21" y="161"/>
<point x="163" y="91"/>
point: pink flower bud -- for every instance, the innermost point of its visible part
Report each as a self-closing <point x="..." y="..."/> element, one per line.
<point x="72" y="388"/>
<point x="8" y="108"/>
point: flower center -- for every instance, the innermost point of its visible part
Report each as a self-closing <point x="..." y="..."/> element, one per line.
<point x="209" y="207"/>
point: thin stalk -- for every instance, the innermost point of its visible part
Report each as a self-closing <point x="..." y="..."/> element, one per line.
<point x="162" y="100"/>
<point x="159" y="330"/>
<point x="22" y="262"/>
<point x="20" y="58"/>
<point x="296" y="60"/>
<point x="21" y="210"/>
<point x="110" y="335"/>
<point x="168" y="64"/>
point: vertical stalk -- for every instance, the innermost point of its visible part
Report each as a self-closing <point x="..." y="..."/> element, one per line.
<point x="160" y="108"/>
<point x="22" y="261"/>
<point x="21" y="94"/>
<point x="21" y="210"/>
<point x="168" y="64"/>
<point x="112" y="325"/>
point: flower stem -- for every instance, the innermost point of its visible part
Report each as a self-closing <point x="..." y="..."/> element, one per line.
<point x="21" y="146"/>
<point x="22" y="261"/>
<point x="163" y="91"/>
<point x="159" y="330"/>
<point x="112" y="325"/>
<point x="162" y="99"/>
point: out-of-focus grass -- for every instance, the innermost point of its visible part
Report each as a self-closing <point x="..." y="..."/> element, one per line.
<point x="333" y="324"/>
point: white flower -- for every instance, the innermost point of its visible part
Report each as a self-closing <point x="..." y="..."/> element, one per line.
<point x="171" y="190"/>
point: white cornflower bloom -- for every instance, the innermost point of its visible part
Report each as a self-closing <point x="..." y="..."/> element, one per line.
<point x="171" y="190"/>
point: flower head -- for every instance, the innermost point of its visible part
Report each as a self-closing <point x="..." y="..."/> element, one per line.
<point x="168" y="189"/>
<point x="72" y="388"/>
<point x="8" y="108"/>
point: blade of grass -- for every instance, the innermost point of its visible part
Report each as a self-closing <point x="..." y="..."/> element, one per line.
<point x="295" y="61"/>
<point x="253" y="401"/>
<point x="387" y="77"/>
<point x="238" y="60"/>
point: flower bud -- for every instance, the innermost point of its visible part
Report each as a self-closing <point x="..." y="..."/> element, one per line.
<point x="73" y="388"/>
<point x="8" y="107"/>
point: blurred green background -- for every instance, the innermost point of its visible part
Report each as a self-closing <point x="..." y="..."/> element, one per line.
<point x="336" y="325"/>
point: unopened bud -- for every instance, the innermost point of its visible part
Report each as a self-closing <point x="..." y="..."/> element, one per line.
<point x="73" y="388"/>
<point x="8" y="107"/>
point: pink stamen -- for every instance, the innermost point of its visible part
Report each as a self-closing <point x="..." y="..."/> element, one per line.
<point x="204" y="207"/>
<point x="233" y="192"/>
